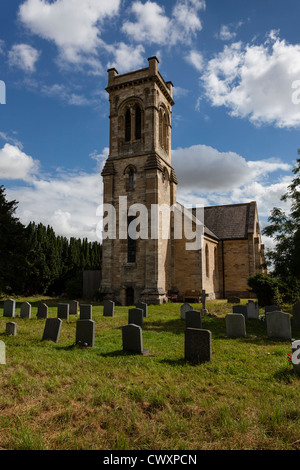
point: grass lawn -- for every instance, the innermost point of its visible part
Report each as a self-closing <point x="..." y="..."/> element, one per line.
<point x="61" y="397"/>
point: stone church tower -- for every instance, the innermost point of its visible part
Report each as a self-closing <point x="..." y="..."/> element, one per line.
<point x="138" y="170"/>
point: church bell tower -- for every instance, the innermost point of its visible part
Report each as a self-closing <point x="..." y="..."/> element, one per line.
<point x="138" y="171"/>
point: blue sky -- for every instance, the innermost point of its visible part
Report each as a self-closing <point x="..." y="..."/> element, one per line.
<point x="235" y="124"/>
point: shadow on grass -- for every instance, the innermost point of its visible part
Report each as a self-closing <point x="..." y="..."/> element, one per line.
<point x="286" y="375"/>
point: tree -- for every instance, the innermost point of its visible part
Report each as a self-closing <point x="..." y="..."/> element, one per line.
<point x="285" y="230"/>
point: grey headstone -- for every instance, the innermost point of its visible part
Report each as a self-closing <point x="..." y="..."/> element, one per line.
<point x="9" y="309"/>
<point x="233" y="300"/>
<point x="279" y="325"/>
<point x="25" y="310"/>
<point x="108" y="308"/>
<point x="11" y="328"/>
<point x="144" y="307"/>
<point x="132" y="339"/>
<point x="183" y="309"/>
<point x="86" y="312"/>
<point x="73" y="307"/>
<point x="135" y="316"/>
<point x="252" y="310"/>
<point x="204" y="296"/>
<point x="296" y="356"/>
<point x="296" y="315"/>
<point x="85" y="333"/>
<point x="52" y="329"/>
<point x="235" y="325"/>
<point x="42" y="311"/>
<point x="272" y="308"/>
<point x="197" y="345"/>
<point x="241" y="309"/>
<point x="193" y="319"/>
<point x="2" y="353"/>
<point x="63" y="311"/>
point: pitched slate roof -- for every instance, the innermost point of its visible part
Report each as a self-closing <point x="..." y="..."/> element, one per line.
<point x="233" y="221"/>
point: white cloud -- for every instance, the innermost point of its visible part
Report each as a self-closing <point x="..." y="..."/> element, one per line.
<point x="15" y="164"/>
<point x="152" y="25"/>
<point x="24" y="57"/>
<point x="73" y="25"/>
<point x="255" y="81"/>
<point x="196" y="59"/>
<point x="126" y="57"/>
<point x="225" y="33"/>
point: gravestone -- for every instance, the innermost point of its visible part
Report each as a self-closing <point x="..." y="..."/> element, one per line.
<point x="86" y="312"/>
<point x="235" y="325"/>
<point x="63" y="311"/>
<point x="11" y="328"/>
<point x="73" y="307"/>
<point x="272" y="308"/>
<point x="296" y="356"/>
<point x="42" y="311"/>
<point x="193" y="319"/>
<point x="233" y="300"/>
<point x="9" y="309"/>
<point x="204" y="296"/>
<point x="2" y="353"/>
<point x="52" y="329"/>
<point x="279" y="325"/>
<point x="241" y="309"/>
<point x="108" y="308"/>
<point x="136" y="316"/>
<point x="252" y="310"/>
<point x="296" y="315"/>
<point x="85" y="333"/>
<point x="197" y="345"/>
<point x="25" y="310"/>
<point x="132" y="339"/>
<point x="183" y="309"/>
<point x="144" y="307"/>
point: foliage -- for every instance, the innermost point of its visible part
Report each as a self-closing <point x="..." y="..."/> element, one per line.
<point x="34" y="260"/>
<point x="266" y="288"/>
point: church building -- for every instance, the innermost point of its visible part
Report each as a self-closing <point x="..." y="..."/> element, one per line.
<point x="139" y="172"/>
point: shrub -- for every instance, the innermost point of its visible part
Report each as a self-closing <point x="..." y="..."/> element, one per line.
<point x="266" y="288"/>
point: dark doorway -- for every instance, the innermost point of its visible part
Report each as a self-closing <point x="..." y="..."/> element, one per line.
<point x="129" y="296"/>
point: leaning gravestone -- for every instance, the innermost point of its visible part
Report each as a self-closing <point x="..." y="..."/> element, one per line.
<point x="108" y="308"/>
<point x="85" y="312"/>
<point x="63" y="311"/>
<point x="85" y="333"/>
<point x="252" y="310"/>
<point x="235" y="325"/>
<point x="73" y="307"/>
<point x="143" y="306"/>
<point x="2" y="353"/>
<point x="132" y="339"/>
<point x="279" y="325"/>
<point x="241" y="309"/>
<point x="42" y="311"/>
<point x="135" y="316"/>
<point x="193" y="319"/>
<point x="183" y="309"/>
<point x="25" y="310"/>
<point x="296" y="315"/>
<point x="296" y="356"/>
<point x="11" y="328"/>
<point x="52" y="329"/>
<point x="197" y="346"/>
<point x="9" y="309"/>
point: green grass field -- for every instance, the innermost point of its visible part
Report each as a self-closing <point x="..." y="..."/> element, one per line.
<point x="61" y="397"/>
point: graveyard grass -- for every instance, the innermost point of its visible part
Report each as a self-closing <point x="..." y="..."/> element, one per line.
<point x="60" y="397"/>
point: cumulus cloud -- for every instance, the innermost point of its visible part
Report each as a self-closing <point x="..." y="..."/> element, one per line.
<point x="15" y="164"/>
<point x="74" y="26"/>
<point x="126" y="57"/>
<point x="195" y="58"/>
<point x="23" y="56"/>
<point x="255" y="81"/>
<point x="152" y="25"/>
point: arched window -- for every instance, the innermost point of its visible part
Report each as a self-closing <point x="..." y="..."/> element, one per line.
<point x="138" y="123"/>
<point x="131" y="179"/>
<point x="207" y="261"/>
<point x="127" y="125"/>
